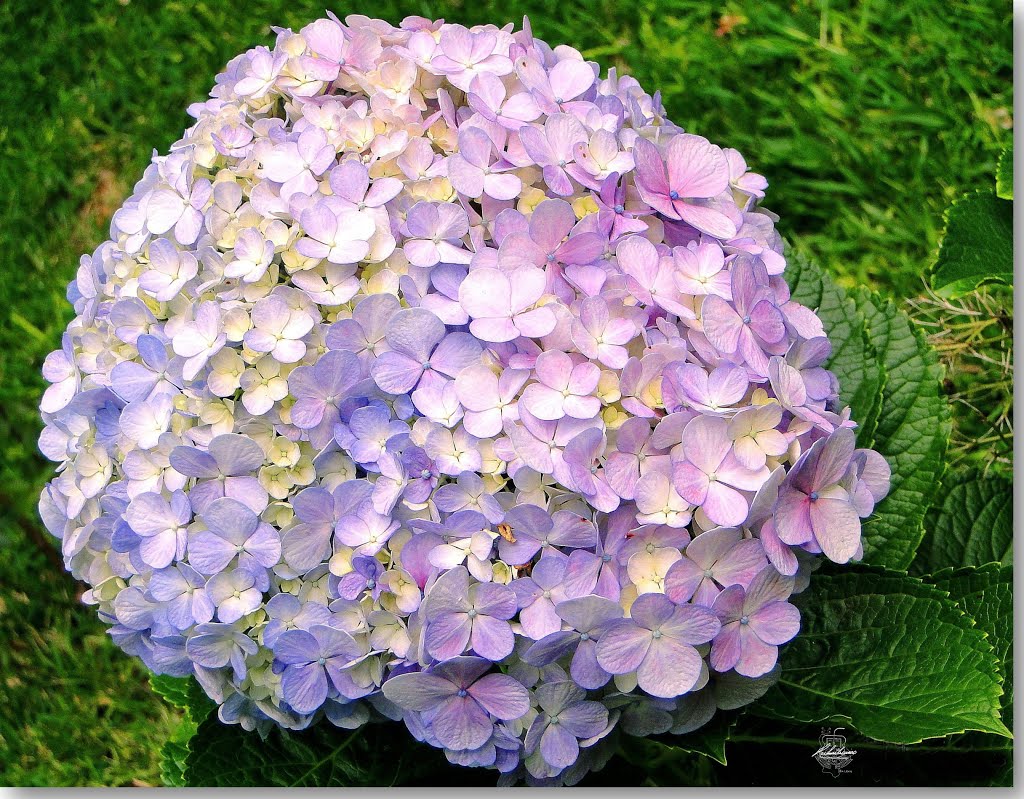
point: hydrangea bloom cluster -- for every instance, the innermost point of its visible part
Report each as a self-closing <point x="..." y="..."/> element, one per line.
<point x="432" y="376"/>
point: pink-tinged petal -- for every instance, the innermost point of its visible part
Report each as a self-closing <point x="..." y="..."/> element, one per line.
<point x="569" y="79"/>
<point x="722" y="325"/>
<point x="418" y="691"/>
<point x="776" y="623"/>
<point x="793" y="518"/>
<point x="525" y="286"/>
<point x="533" y="452"/>
<point x="696" y="168"/>
<point x="448" y="636"/>
<point x="692" y="624"/>
<point x="725" y="651"/>
<point x="682" y="580"/>
<point x="554" y="369"/>
<point x="706" y="443"/>
<point x="749" y="454"/>
<point x="536" y="323"/>
<point x="536" y="144"/>
<point x="706" y="220"/>
<point x="670" y="668"/>
<point x="502" y="186"/>
<point x="740" y="564"/>
<point x="690" y="482"/>
<point x="834" y="458"/>
<point x="539" y="620"/>
<point x="623" y="646"/>
<point x="584" y="378"/>
<point x="836" y="527"/>
<point x="494" y="330"/>
<point x="709" y="547"/>
<point x="477" y="388"/>
<point x="465" y="177"/>
<point x="396" y="373"/>
<point x="581" y="407"/>
<point x="728" y="384"/>
<point x="731" y="472"/>
<point x="583" y="248"/>
<point x="779" y="555"/>
<point x="492" y="638"/>
<point x="766" y="320"/>
<point x="724" y="505"/>
<point x="543" y="402"/>
<point x="728" y="604"/>
<point x="461" y="723"/>
<point x="787" y="383"/>
<point x="757" y="657"/>
<point x="455" y="352"/>
<point x="486" y="292"/>
<point x="502" y="696"/>
<point x="622" y="471"/>
<point x="650" y="169"/>
<point x="563" y="133"/>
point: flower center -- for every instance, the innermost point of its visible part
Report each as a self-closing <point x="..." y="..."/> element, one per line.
<point x="814" y="496"/>
<point x="744" y="619"/>
<point x="619" y="208"/>
<point x="463" y="692"/>
<point x="656" y="635"/>
<point x="471" y="613"/>
<point x="584" y="636"/>
<point x="673" y="195"/>
<point x="321" y="661"/>
<point x="746" y="320"/>
<point x="708" y="573"/>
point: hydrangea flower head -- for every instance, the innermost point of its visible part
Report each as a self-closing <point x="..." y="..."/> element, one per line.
<point x="435" y="375"/>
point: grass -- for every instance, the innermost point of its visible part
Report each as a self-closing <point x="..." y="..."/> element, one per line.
<point x="868" y="119"/>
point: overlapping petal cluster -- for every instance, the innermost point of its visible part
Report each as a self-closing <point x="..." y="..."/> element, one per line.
<point x="433" y="376"/>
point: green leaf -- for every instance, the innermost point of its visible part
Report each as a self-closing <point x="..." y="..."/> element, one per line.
<point x="986" y="593"/>
<point x="974" y="525"/>
<point x="174" y="689"/>
<point x="889" y="655"/>
<point x="912" y="434"/>
<point x="187" y="694"/>
<point x="708" y="740"/>
<point x="224" y="755"/>
<point x="977" y="246"/>
<point x="1004" y="174"/>
<point x="860" y="373"/>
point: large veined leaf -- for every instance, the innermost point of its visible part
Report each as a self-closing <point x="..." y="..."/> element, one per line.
<point x="323" y="756"/>
<point x="977" y="246"/>
<point x="892" y="657"/>
<point x="972" y="527"/>
<point x="986" y="593"/>
<point x="912" y="434"/>
<point x="184" y="693"/>
<point x="860" y="373"/>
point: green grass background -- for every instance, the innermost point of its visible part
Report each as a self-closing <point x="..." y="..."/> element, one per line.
<point x="866" y="117"/>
